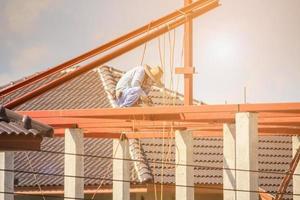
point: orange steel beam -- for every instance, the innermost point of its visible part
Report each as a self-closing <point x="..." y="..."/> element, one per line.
<point x="278" y="114"/>
<point x="206" y="119"/>
<point x="188" y="58"/>
<point x="288" y="177"/>
<point x="161" y="125"/>
<point x="109" y="45"/>
<point x="92" y="122"/>
<point x="98" y="133"/>
<point x="271" y="107"/>
<point x="88" y="133"/>
<point x="264" y="195"/>
<point x="118" y="52"/>
<point x="290" y="121"/>
<point x="173" y="112"/>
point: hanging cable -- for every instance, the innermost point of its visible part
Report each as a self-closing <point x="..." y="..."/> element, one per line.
<point x="176" y="185"/>
<point x="107" y="169"/>
<point x="162" y="163"/>
<point x="176" y="164"/>
<point x="145" y="45"/>
<point x="136" y="160"/>
<point x="34" y="175"/>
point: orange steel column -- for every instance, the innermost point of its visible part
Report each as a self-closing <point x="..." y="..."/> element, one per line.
<point x="188" y="58"/>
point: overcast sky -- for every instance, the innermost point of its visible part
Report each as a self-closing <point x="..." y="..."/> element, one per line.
<point x="243" y="43"/>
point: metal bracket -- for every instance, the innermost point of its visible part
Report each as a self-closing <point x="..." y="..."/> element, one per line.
<point x="185" y="70"/>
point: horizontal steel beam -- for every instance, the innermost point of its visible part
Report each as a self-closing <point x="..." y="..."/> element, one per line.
<point x="203" y="120"/>
<point x="98" y="133"/>
<point x="184" y="113"/>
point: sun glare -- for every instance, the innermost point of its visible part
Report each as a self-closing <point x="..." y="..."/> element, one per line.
<point x="224" y="48"/>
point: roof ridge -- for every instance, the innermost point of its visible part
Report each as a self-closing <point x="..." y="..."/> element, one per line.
<point x="141" y="165"/>
<point x="105" y="85"/>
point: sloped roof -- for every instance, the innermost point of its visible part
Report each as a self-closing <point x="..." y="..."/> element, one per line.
<point x="92" y="90"/>
<point x="85" y="91"/>
<point x="89" y="90"/>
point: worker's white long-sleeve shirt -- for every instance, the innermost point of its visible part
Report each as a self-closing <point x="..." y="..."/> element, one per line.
<point x="132" y="78"/>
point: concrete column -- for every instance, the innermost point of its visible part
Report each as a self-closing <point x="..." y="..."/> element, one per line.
<point x="74" y="166"/>
<point x="296" y="178"/>
<point x="229" y="157"/>
<point x="6" y="177"/>
<point x="184" y="174"/>
<point x="121" y="184"/>
<point x="246" y="156"/>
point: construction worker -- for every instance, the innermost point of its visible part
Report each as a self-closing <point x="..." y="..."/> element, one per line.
<point x="135" y="85"/>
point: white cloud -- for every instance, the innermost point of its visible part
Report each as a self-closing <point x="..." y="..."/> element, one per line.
<point x="29" y="58"/>
<point x="22" y="15"/>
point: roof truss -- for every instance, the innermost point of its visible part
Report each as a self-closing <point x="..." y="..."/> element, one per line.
<point x="203" y="120"/>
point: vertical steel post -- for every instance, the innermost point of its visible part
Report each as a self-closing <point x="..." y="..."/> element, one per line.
<point x="188" y="58"/>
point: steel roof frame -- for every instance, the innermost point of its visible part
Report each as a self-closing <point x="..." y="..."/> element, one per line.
<point x="203" y="120"/>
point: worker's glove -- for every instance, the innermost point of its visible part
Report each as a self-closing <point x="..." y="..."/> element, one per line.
<point x="118" y="94"/>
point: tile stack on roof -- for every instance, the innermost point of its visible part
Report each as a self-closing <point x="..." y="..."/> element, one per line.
<point x="93" y="89"/>
<point x="19" y="132"/>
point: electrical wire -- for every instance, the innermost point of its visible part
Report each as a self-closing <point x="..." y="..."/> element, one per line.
<point x="38" y="195"/>
<point x="167" y="163"/>
<point x="117" y="180"/>
<point x="175" y="185"/>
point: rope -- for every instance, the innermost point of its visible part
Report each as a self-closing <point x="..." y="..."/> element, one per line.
<point x="171" y="57"/>
<point x="154" y="183"/>
<point x="181" y="64"/>
<point x="133" y="128"/>
<point x="162" y="65"/>
<point x="107" y="169"/>
<point x="171" y="48"/>
<point x="170" y="139"/>
<point x="145" y="45"/>
<point x="34" y="175"/>
<point x="162" y="164"/>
